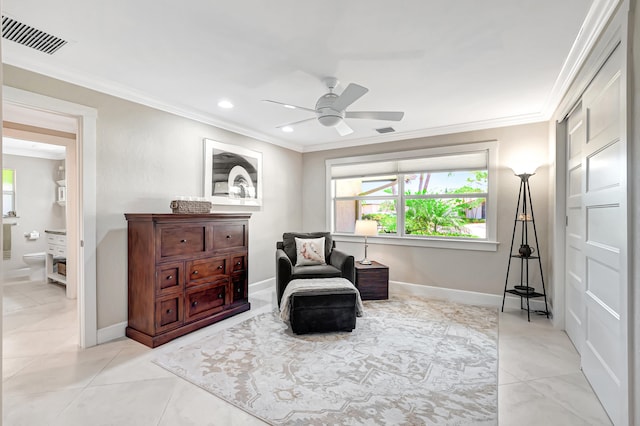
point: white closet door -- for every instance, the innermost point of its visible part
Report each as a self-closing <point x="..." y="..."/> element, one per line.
<point x="574" y="247"/>
<point x="603" y="210"/>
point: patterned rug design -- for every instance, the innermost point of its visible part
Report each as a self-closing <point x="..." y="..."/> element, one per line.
<point x="409" y="361"/>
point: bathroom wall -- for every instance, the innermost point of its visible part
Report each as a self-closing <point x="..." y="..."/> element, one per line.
<point x="36" y="207"/>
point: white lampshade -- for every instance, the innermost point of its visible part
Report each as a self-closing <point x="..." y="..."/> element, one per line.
<point x="367" y="228"/>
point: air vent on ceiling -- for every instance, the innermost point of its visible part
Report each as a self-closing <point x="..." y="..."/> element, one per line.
<point x="30" y="37"/>
<point x="386" y="130"/>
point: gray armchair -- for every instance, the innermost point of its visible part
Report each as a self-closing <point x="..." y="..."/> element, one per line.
<point x="339" y="264"/>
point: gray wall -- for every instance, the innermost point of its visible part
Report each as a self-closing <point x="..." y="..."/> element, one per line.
<point x="456" y="269"/>
<point x="145" y="157"/>
<point x="36" y="206"/>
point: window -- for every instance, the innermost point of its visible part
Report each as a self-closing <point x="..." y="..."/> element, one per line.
<point x="438" y="194"/>
<point x="8" y="191"/>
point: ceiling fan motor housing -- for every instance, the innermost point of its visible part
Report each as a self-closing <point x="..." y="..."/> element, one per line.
<point x="327" y="116"/>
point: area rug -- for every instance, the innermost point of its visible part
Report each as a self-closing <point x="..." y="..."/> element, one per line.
<point x="409" y="361"/>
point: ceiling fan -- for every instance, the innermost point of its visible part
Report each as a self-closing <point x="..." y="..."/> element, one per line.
<point x="331" y="108"/>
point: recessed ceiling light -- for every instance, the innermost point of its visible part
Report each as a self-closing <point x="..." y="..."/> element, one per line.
<point x="225" y="104"/>
<point x="287" y="129"/>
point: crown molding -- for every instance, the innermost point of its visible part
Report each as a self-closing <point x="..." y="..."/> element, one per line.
<point x="593" y="26"/>
<point x="432" y="131"/>
<point x="126" y="93"/>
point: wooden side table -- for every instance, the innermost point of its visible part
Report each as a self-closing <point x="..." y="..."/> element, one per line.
<point x="372" y="281"/>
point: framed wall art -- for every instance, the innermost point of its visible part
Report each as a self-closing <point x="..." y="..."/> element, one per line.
<point x="232" y="174"/>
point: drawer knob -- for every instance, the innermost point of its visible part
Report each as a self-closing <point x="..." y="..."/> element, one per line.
<point x="219" y="266"/>
<point x="239" y="290"/>
<point x="169" y="311"/>
<point x="228" y="236"/>
<point x="194" y="304"/>
<point x="170" y="277"/>
<point x="239" y="263"/>
<point x="183" y="241"/>
<point x="195" y="272"/>
<point x="220" y="296"/>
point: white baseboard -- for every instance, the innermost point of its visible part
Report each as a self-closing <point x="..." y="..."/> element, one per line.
<point x="462" y="296"/>
<point x="112" y="332"/>
<point x="117" y="331"/>
<point x="12" y="274"/>
<point x="263" y="285"/>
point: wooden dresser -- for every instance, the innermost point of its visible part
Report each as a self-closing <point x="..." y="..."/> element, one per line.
<point x="186" y="271"/>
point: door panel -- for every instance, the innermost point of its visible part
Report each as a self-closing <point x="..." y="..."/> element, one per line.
<point x="600" y="174"/>
<point x="574" y="255"/>
<point x="604" y="355"/>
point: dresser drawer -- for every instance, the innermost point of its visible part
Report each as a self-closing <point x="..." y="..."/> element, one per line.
<point x="238" y="263"/>
<point x="169" y="312"/>
<point x="229" y="236"/>
<point x="169" y="278"/>
<point x="187" y="240"/>
<point x="204" y="270"/>
<point x="239" y="286"/>
<point x="205" y="300"/>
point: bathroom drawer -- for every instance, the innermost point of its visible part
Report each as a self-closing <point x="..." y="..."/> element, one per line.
<point x="57" y="239"/>
<point x="57" y="250"/>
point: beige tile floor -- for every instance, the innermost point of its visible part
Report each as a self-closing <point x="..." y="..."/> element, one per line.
<point x="47" y="380"/>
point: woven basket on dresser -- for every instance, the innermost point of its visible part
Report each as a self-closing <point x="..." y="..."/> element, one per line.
<point x="184" y="206"/>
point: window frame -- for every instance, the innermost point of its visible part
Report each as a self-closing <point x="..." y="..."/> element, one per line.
<point x="11" y="193"/>
<point x="489" y="243"/>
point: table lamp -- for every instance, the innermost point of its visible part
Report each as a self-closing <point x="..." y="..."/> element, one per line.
<point x="368" y="228"/>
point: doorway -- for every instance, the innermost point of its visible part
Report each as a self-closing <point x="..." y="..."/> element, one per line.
<point x="34" y="194"/>
<point x="39" y="308"/>
<point x="81" y="204"/>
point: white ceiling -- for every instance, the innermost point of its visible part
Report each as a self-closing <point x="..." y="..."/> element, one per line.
<point x="450" y="66"/>
<point x="32" y="149"/>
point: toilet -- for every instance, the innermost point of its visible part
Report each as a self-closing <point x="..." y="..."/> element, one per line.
<point x="36" y="263"/>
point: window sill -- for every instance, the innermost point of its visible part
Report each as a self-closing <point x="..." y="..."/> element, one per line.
<point x="454" y="244"/>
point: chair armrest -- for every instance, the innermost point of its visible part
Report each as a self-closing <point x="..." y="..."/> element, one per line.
<point x="346" y="264"/>
<point x="284" y="270"/>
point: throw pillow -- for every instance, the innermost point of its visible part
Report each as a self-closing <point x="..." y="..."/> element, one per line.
<point x="289" y="243"/>
<point x="310" y="251"/>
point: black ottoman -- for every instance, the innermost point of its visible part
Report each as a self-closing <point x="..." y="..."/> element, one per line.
<point x="322" y="312"/>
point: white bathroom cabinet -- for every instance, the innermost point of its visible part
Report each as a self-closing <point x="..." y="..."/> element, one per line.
<point x="56" y="254"/>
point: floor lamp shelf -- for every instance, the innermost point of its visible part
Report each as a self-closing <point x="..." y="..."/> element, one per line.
<point x="524" y="225"/>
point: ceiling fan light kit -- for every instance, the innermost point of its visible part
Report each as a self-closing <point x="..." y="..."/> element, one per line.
<point x="331" y="108"/>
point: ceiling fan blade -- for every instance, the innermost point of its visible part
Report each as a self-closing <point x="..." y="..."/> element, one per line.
<point x="296" y="122"/>
<point x="376" y="115"/>
<point x="290" y="106"/>
<point x="343" y="128"/>
<point x="352" y="93"/>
